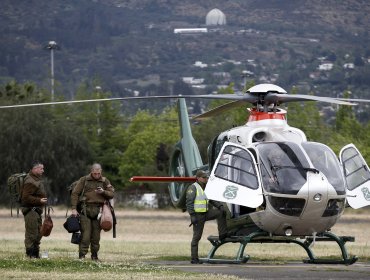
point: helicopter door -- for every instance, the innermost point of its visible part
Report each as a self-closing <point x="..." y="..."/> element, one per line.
<point x="235" y="177"/>
<point x="357" y="175"/>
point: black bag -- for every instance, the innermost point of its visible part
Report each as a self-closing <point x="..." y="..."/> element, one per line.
<point x="76" y="238"/>
<point x="72" y="224"/>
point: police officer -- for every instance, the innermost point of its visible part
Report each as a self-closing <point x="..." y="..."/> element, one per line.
<point x="197" y="207"/>
<point x="33" y="197"/>
<point x="87" y="198"/>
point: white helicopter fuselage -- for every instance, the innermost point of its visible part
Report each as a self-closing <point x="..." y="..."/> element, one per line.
<point x="266" y="127"/>
<point x="309" y="205"/>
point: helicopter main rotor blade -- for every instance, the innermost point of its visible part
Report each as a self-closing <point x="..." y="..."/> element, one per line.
<point x="354" y="100"/>
<point x="246" y="97"/>
<point x="216" y="111"/>
<point x="279" y="98"/>
<point x="253" y="96"/>
<point x="84" y="101"/>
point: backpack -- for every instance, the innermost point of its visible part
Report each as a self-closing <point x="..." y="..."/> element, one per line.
<point x="71" y="187"/>
<point x="15" y="187"/>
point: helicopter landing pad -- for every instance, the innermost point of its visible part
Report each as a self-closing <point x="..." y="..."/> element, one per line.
<point x="254" y="270"/>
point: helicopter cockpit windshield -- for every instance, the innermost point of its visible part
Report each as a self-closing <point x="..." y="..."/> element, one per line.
<point x="284" y="167"/>
<point x="324" y="159"/>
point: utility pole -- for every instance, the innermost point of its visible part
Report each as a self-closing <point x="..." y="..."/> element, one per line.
<point x="98" y="91"/>
<point x="52" y="45"/>
<point x="245" y="74"/>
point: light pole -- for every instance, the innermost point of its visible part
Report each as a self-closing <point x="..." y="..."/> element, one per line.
<point x="245" y="74"/>
<point x="52" y="45"/>
<point x="98" y="90"/>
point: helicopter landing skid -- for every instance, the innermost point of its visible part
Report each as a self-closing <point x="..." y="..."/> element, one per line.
<point x="264" y="237"/>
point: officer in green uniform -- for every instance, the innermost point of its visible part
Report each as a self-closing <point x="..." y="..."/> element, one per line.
<point x="33" y="197"/>
<point x="87" y="198"/>
<point x="197" y="206"/>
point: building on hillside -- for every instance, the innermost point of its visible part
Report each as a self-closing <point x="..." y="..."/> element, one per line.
<point x="200" y="64"/>
<point x="190" y="30"/>
<point x="192" y="80"/>
<point x="215" y="17"/>
<point x="348" y="66"/>
<point x="326" y="66"/>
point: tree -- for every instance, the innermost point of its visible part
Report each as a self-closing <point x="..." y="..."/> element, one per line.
<point x="349" y="130"/>
<point x="346" y="122"/>
<point x="102" y="124"/>
<point x="306" y="116"/>
<point x="145" y="134"/>
<point x="36" y="133"/>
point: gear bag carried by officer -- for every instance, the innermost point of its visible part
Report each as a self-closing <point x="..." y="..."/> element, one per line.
<point x="197" y="206"/>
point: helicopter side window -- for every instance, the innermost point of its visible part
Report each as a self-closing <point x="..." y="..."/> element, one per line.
<point x="236" y="165"/>
<point x="214" y="149"/>
<point x="324" y="160"/>
<point x="355" y="171"/>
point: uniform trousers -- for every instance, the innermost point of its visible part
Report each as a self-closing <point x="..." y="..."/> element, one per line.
<point x="90" y="235"/>
<point x="211" y="214"/>
<point x="32" y="240"/>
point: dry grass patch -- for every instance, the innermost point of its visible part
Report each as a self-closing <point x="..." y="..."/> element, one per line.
<point x="147" y="235"/>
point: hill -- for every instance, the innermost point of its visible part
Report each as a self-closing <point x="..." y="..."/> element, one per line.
<point x="130" y="45"/>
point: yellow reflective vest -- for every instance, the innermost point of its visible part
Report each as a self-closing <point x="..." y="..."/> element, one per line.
<point x="200" y="201"/>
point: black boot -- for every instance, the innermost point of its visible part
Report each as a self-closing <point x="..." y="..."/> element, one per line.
<point x="36" y="253"/>
<point x="94" y="256"/>
<point x="222" y="237"/>
<point x="33" y="253"/>
<point x="195" y="261"/>
<point x="81" y="256"/>
<point x="29" y="252"/>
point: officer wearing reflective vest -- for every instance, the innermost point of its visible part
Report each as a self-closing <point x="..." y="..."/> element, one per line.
<point x="197" y="206"/>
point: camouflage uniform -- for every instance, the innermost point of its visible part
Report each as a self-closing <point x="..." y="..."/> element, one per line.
<point x="88" y="206"/>
<point x="201" y="218"/>
<point x="33" y="191"/>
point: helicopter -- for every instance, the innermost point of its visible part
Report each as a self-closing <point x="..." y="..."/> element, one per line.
<point x="277" y="187"/>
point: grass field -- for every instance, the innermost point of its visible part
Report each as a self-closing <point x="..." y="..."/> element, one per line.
<point x="151" y="235"/>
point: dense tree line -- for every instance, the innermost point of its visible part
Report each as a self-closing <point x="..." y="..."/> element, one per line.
<point x="69" y="138"/>
<point x="40" y="133"/>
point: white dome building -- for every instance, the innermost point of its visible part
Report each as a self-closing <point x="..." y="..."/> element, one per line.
<point x="215" y="17"/>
